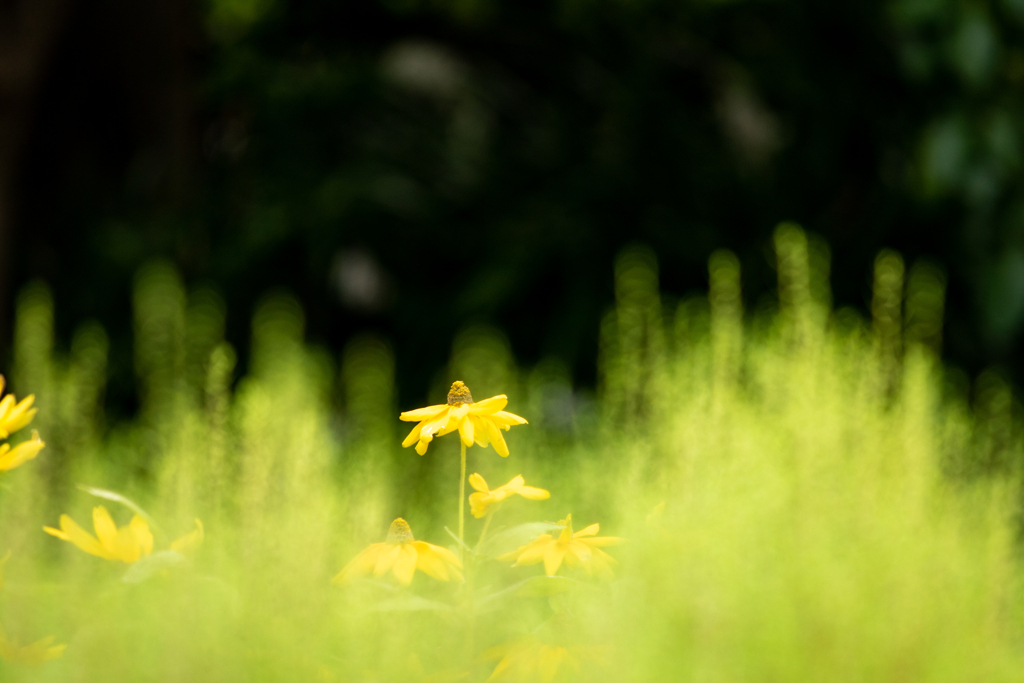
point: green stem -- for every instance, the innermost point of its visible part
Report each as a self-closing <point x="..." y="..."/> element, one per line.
<point x="487" y="524"/>
<point x="462" y="500"/>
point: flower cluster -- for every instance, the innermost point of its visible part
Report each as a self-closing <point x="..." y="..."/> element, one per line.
<point x="127" y="544"/>
<point x="15" y="415"/>
<point x="401" y="555"/>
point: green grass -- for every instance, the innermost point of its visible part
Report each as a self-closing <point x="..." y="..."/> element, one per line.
<point x="834" y="509"/>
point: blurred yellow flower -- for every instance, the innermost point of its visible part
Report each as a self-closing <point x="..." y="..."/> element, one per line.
<point x="188" y="544"/>
<point x="480" y="423"/>
<point x="581" y="549"/>
<point x="128" y="544"/>
<point x="32" y="654"/>
<point x="402" y="555"/>
<point x="531" y="661"/>
<point x="23" y="452"/>
<point x="14" y="415"/>
<point x="484" y="497"/>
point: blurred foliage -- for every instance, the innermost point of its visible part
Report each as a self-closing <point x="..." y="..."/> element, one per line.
<point x="407" y="167"/>
<point x="808" y="496"/>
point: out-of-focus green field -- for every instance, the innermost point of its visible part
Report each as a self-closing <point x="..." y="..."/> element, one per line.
<point x="807" y="496"/>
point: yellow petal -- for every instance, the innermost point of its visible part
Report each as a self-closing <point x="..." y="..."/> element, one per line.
<point x="56" y="532"/>
<point x="516" y="482"/>
<point x="127" y="547"/>
<point x="478" y="504"/>
<point x="447" y="555"/>
<point x="438" y="424"/>
<point x="478" y="483"/>
<point x="421" y="447"/>
<point x="360" y="566"/>
<point x="405" y="564"/>
<point x="421" y="414"/>
<point x="588" y="531"/>
<point x="5" y="406"/>
<point x="480" y="435"/>
<point x="450" y="559"/>
<point x="489" y="406"/>
<point x="454" y="421"/>
<point x="430" y="563"/>
<point x="533" y="493"/>
<point x="143" y="536"/>
<point x="106" y="530"/>
<point x="508" y="419"/>
<point x="466" y="432"/>
<point x="554" y="553"/>
<point x="496" y="439"/>
<point x="413" y="437"/>
<point x="82" y="538"/>
<point x="386" y="559"/>
<point x="533" y="552"/>
<point x="20" y="416"/>
<point x="21" y="453"/>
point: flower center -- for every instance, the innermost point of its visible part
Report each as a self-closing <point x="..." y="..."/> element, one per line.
<point x="459" y="394"/>
<point x="400" y="532"/>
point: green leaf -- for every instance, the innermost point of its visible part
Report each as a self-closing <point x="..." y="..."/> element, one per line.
<point x="511" y="539"/>
<point x="410" y="603"/>
<point x="148" y="566"/>
<point x="118" y="498"/>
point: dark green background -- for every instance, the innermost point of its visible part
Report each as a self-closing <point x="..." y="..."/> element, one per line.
<point x="491" y="157"/>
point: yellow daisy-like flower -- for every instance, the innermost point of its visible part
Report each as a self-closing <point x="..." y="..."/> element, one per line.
<point x="485" y="497"/>
<point x="128" y="544"/>
<point x="582" y="549"/>
<point x="480" y="423"/>
<point x="401" y="555"/>
<point x="23" y="452"/>
<point x="32" y="654"/>
<point x="14" y="415"/>
<point x="536" y="659"/>
<point x="531" y="661"/>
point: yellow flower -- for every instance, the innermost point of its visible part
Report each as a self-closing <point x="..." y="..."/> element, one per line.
<point x="533" y="661"/>
<point x="128" y="544"/>
<point x="480" y="423"/>
<point x="32" y="654"/>
<point x="188" y="544"/>
<point x="402" y="555"/>
<point x="13" y="415"/>
<point x="484" y="498"/>
<point x="23" y="452"/>
<point x="581" y="549"/>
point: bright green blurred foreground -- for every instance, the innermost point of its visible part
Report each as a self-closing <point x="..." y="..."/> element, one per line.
<point x="833" y="510"/>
